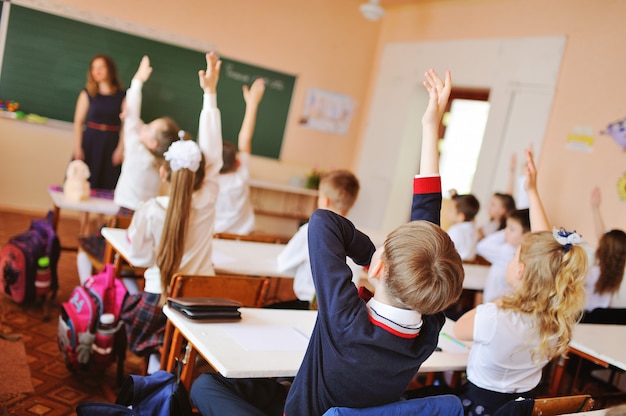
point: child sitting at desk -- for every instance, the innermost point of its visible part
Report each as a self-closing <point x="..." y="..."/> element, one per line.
<point x="604" y="284"/>
<point x="500" y="206"/>
<point x="463" y="231"/>
<point x="233" y="212"/>
<point x="499" y="249"/>
<point x="516" y="336"/>
<point x="338" y="191"/>
<point x="144" y="145"/>
<point x="169" y="234"/>
<point x="363" y="353"/>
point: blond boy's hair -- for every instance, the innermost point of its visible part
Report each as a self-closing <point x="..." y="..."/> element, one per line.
<point x="424" y="270"/>
<point x="341" y="187"/>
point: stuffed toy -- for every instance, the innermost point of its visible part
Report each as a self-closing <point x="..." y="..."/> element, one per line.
<point x="76" y="186"/>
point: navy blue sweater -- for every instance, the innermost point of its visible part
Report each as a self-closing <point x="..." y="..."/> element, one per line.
<point x="351" y="362"/>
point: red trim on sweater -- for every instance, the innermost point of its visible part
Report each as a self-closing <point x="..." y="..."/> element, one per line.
<point x="391" y="330"/>
<point x="427" y="185"/>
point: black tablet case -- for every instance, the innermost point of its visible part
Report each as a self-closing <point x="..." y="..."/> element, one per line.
<point x="206" y="309"/>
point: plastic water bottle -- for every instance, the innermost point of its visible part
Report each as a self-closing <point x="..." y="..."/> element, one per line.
<point x="103" y="344"/>
<point x="42" y="279"/>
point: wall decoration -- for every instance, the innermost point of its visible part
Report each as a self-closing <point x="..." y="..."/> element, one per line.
<point x="617" y="130"/>
<point x="621" y="187"/>
<point x="327" y="111"/>
<point x="580" y="139"/>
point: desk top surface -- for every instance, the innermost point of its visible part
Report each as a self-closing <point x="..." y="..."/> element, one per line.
<point x="605" y="342"/>
<point x="475" y="276"/>
<point x="92" y="204"/>
<point x="272" y="343"/>
<point x="229" y="256"/>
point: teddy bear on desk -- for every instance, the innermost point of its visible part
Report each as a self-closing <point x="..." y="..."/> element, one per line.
<point x="76" y="186"/>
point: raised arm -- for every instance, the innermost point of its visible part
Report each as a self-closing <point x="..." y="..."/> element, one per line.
<point x="132" y="104"/>
<point x="438" y="94"/>
<point x="252" y="96"/>
<point x="427" y="185"/>
<point x="598" y="221"/>
<point x="210" y="128"/>
<point x="538" y="217"/>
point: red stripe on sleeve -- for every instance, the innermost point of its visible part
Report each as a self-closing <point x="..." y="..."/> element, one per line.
<point x="427" y="185"/>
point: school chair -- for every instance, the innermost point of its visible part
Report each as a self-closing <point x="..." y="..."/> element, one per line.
<point x="549" y="406"/>
<point x="445" y="405"/>
<point x="248" y="290"/>
<point x="258" y="238"/>
<point x="561" y="405"/>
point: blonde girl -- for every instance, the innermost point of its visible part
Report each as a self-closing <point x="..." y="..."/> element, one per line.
<point x="515" y="336"/>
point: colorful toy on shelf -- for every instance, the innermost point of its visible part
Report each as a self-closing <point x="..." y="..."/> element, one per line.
<point x="12" y="106"/>
<point x="2" y="106"/>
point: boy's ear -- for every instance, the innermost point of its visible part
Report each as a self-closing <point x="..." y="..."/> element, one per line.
<point x="376" y="269"/>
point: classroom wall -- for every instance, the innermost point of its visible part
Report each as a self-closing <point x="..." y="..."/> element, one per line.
<point x="330" y="46"/>
<point x="326" y="44"/>
<point x="590" y="88"/>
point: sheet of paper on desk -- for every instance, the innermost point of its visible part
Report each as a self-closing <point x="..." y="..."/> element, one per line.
<point x="221" y="258"/>
<point x="267" y="338"/>
<point x="448" y="344"/>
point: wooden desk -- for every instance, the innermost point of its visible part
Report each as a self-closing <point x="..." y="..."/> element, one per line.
<point x="269" y="343"/>
<point x="603" y="345"/>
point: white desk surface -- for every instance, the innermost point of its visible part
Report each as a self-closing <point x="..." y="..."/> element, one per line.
<point x="229" y="256"/>
<point x="272" y="343"/>
<point x="605" y="342"/>
<point x="475" y="276"/>
<point x="93" y="204"/>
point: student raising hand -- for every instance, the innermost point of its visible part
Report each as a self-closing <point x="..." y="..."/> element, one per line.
<point x="144" y="70"/>
<point x="210" y="76"/>
<point x="438" y="94"/>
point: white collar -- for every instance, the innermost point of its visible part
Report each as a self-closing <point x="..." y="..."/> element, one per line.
<point x="404" y="323"/>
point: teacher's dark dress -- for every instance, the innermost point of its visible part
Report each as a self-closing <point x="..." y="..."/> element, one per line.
<point x="100" y="138"/>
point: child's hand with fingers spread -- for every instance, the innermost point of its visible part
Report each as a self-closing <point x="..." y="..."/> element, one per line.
<point x="439" y="92"/>
<point x="144" y="70"/>
<point x="209" y="77"/>
<point x="596" y="197"/>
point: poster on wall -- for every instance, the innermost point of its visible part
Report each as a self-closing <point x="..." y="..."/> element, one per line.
<point x="580" y="139"/>
<point x="327" y="111"/>
<point x="621" y="187"/>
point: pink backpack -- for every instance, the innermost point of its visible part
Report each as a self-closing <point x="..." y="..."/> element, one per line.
<point x="81" y="342"/>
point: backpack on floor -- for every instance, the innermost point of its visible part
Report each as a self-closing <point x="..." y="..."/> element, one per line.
<point x="28" y="263"/>
<point x="159" y="394"/>
<point x="86" y="339"/>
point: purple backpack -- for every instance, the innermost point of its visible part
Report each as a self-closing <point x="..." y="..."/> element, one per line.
<point x="28" y="263"/>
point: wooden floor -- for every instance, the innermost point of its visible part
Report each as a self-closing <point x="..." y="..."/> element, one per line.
<point x="57" y="390"/>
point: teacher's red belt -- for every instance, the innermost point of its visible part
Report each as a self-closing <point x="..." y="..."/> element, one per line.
<point x="102" y="127"/>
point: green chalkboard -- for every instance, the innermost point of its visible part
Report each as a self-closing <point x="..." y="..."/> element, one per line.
<point x="46" y="58"/>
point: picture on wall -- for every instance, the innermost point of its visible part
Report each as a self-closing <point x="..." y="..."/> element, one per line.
<point x="327" y="111"/>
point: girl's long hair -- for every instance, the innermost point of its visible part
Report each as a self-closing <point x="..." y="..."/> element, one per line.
<point x="183" y="183"/>
<point x="611" y="257"/>
<point x="114" y="77"/>
<point x="551" y="291"/>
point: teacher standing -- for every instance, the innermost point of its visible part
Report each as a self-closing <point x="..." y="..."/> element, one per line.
<point x="97" y="126"/>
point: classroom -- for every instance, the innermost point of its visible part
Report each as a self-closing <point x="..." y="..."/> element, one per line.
<point x="553" y="68"/>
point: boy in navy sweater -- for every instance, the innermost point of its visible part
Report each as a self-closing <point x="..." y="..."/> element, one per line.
<point x="364" y="352"/>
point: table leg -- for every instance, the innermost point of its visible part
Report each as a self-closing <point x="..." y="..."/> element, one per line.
<point x="557" y="376"/>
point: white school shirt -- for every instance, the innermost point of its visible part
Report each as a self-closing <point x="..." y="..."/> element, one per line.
<point x="234" y="212"/>
<point x="139" y="179"/>
<point x="464" y="235"/>
<point x="617" y="299"/>
<point x="499" y="253"/>
<point x="146" y="228"/>
<point x="500" y="358"/>
<point x="595" y="300"/>
<point x="295" y="257"/>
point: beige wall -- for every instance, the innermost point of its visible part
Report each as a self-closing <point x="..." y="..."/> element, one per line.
<point x="330" y="46"/>
<point x="590" y="88"/>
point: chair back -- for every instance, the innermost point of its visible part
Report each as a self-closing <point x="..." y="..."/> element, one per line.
<point x="259" y="238"/>
<point x="247" y="290"/>
<point x="562" y="405"/>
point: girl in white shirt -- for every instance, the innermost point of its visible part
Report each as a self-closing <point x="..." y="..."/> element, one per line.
<point x="171" y="234"/>
<point x="516" y="336"/>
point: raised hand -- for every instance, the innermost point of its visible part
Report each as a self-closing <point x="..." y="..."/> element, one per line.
<point x="254" y="94"/>
<point x="210" y="76"/>
<point x="144" y="70"/>
<point x="438" y="92"/>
